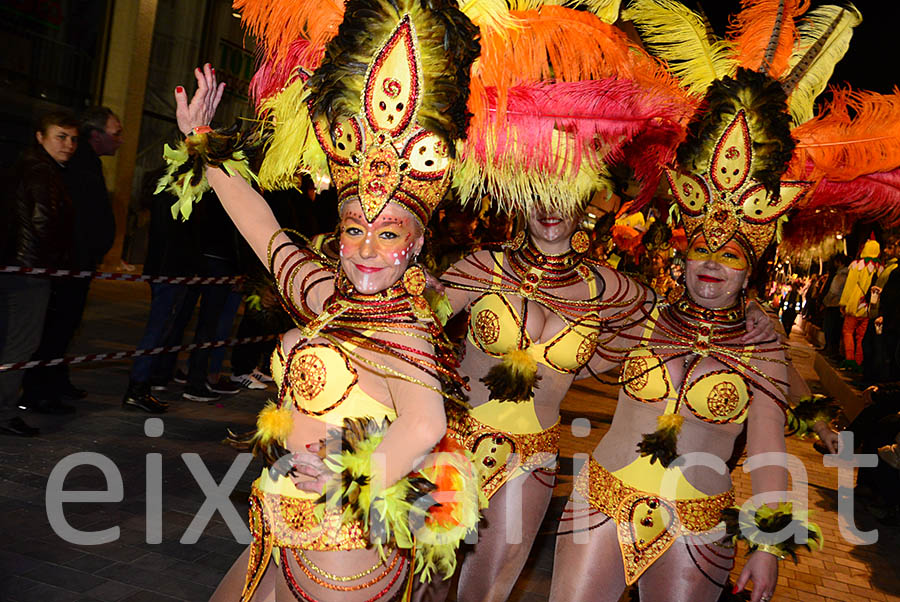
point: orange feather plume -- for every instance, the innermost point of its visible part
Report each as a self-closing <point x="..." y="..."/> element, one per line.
<point x="559" y="44"/>
<point x="277" y="23"/>
<point x="552" y="43"/>
<point x="857" y="133"/>
<point x="764" y="33"/>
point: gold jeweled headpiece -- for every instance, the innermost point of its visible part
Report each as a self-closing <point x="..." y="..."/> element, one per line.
<point x="382" y="154"/>
<point x="388" y="133"/>
<point x="729" y="186"/>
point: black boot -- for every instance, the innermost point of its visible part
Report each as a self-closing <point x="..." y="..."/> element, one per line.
<point x="138" y="397"/>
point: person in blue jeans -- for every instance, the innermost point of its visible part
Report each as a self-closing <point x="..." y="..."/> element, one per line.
<point x="171" y="252"/>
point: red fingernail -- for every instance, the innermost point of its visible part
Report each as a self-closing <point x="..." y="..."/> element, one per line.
<point x="213" y="69"/>
<point x="308" y="445"/>
<point x="734" y="590"/>
<point x="179" y="89"/>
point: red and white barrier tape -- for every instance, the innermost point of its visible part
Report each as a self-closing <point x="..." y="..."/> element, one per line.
<point x="15" y="269"/>
<point x="120" y="355"/>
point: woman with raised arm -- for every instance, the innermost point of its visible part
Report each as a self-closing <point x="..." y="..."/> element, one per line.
<point x="345" y="496"/>
<point x="690" y="385"/>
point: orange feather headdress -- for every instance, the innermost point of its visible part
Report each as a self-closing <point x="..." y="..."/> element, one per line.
<point x="555" y="95"/>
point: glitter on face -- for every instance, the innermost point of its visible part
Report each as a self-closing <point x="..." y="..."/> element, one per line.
<point x="375" y="254"/>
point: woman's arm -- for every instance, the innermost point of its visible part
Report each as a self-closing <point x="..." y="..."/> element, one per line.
<point x="765" y="434"/>
<point x="419" y="425"/>
<point x="248" y="210"/>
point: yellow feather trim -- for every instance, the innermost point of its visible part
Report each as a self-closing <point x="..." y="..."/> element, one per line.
<point x="293" y="148"/>
<point x="440" y="305"/>
<point x="520" y="362"/>
<point x="671" y="422"/>
<point x="274" y="423"/>
<point x="489" y="14"/>
<point x="607" y="10"/>
<point x="679" y="36"/>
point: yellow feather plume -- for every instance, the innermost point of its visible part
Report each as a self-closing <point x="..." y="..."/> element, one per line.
<point x="489" y="14"/>
<point x="514" y="186"/>
<point x="533" y="4"/>
<point x="679" y="36"/>
<point x="824" y="38"/>
<point x="608" y="10"/>
<point x="293" y="147"/>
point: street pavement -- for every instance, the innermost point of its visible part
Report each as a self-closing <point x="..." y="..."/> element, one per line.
<point x="175" y="553"/>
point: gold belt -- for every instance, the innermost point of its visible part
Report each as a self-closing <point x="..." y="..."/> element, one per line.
<point x="646" y="524"/>
<point x="494" y="450"/>
<point x="281" y="521"/>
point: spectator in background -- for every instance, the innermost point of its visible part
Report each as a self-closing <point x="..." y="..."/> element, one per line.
<point x="888" y="320"/>
<point x="878" y="425"/>
<point x="100" y="134"/>
<point x="831" y="303"/>
<point x="215" y="240"/>
<point x="854" y="302"/>
<point x="38" y="214"/>
<point x="790" y="307"/>
<point x="876" y="368"/>
<point x="170" y="252"/>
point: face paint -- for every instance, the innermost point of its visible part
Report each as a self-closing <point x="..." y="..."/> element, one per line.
<point x="730" y="255"/>
<point x="374" y="256"/>
<point x="715" y="280"/>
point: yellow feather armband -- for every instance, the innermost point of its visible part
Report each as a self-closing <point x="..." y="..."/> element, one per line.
<point x="808" y="411"/>
<point x="779" y="532"/>
<point x="432" y="509"/>
<point x="185" y="175"/>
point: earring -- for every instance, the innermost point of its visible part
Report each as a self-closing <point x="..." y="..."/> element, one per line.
<point x="414" y="280"/>
<point x="580" y="242"/>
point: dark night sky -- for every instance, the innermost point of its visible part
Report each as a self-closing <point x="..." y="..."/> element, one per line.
<point x="873" y="60"/>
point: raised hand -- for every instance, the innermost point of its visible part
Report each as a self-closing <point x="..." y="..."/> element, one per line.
<point x="200" y="111"/>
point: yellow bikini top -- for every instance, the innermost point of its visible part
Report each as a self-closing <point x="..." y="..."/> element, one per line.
<point x="721" y="396"/>
<point x="495" y="327"/>
<point x="323" y="384"/>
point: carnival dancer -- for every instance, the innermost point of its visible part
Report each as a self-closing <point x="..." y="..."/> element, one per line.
<point x="361" y="381"/>
<point x="690" y="383"/>
<point x="683" y="367"/>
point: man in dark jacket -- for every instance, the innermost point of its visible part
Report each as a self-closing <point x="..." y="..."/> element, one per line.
<point x="40" y="236"/>
<point x="95" y="225"/>
<point x="94" y="230"/>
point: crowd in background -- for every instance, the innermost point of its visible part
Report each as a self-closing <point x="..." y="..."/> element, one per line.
<point x="855" y="303"/>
